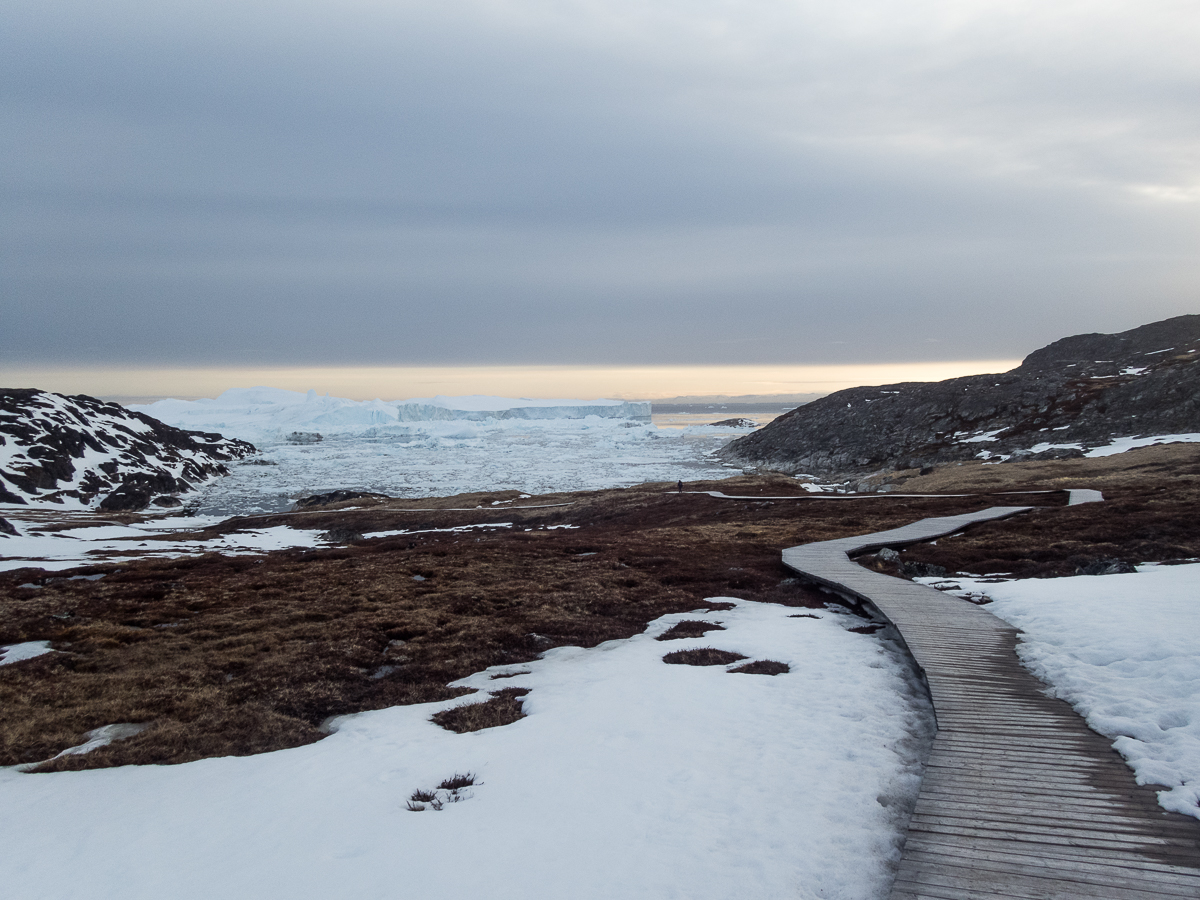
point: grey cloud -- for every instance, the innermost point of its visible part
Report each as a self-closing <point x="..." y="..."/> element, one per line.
<point x="564" y="183"/>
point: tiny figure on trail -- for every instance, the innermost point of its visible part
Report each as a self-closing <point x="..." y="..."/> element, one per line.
<point x="681" y="487"/>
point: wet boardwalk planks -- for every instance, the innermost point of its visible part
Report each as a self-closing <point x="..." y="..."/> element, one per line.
<point x="1020" y="798"/>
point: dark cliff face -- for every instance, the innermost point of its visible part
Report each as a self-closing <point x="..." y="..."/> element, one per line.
<point x="54" y="447"/>
<point x="1084" y="390"/>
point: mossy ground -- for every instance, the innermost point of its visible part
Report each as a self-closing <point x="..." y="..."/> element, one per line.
<point x="240" y="655"/>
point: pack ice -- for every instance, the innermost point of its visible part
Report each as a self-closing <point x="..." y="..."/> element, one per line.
<point x="264" y="414"/>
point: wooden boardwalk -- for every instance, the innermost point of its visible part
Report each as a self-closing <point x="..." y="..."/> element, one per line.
<point x="1020" y="798"/>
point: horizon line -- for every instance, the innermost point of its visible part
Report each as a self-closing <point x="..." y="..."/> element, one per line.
<point x="542" y="382"/>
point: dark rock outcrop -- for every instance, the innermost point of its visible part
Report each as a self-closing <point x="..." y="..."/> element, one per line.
<point x="1106" y="567"/>
<point x="336" y="497"/>
<point x="54" y="447"/>
<point x="1083" y="390"/>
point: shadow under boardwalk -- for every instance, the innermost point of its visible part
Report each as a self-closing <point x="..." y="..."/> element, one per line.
<point x="1020" y="798"/>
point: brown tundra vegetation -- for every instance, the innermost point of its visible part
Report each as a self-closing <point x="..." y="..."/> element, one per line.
<point x="224" y="655"/>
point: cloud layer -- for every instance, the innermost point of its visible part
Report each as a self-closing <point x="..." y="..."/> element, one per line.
<point x="610" y="182"/>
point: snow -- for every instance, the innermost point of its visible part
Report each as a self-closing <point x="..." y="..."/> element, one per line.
<point x="982" y="437"/>
<point x="1120" y="445"/>
<point x="628" y="778"/>
<point x="17" y="652"/>
<point x="153" y="538"/>
<point x="103" y="736"/>
<point x="1121" y="649"/>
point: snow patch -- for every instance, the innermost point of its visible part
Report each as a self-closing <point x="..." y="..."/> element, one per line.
<point x="14" y="653"/>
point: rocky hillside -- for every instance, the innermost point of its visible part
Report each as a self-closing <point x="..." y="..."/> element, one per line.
<point x="82" y="450"/>
<point x="1081" y="392"/>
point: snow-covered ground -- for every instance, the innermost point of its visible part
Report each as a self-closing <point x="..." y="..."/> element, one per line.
<point x="67" y="549"/>
<point x="628" y="778"/>
<point x="55" y="550"/>
<point x="1122" y="650"/>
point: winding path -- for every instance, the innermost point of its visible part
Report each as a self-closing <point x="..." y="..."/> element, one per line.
<point x="1020" y="799"/>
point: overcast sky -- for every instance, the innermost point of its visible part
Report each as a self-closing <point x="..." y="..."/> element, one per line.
<point x="603" y="182"/>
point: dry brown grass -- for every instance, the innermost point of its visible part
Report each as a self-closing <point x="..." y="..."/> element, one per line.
<point x="239" y="655"/>
<point x="763" y="667"/>
<point x="702" y="656"/>
<point x="503" y="708"/>
<point x="689" y="628"/>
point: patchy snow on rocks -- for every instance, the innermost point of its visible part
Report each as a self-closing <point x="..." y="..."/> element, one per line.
<point x="79" y="452"/>
<point x="627" y="778"/>
<point x="1122" y="650"/>
<point x="151" y="538"/>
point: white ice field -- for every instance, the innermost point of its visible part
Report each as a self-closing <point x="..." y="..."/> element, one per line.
<point x="437" y="446"/>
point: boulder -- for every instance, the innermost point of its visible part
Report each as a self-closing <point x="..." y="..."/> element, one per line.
<point x="337" y="497"/>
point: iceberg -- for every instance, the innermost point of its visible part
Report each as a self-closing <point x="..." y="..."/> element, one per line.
<point x="264" y="414"/>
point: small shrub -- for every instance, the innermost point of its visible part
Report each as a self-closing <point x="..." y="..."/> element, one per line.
<point x="688" y="628"/>
<point x="449" y="791"/>
<point x="763" y="667"/>
<point x="702" y="656"/>
<point x="503" y="708"/>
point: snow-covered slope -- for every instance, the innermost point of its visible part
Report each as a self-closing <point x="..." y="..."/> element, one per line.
<point x="628" y="778"/>
<point x="266" y="414"/>
<point x="80" y="451"/>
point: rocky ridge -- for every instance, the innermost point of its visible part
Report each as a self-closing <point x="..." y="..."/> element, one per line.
<point x="60" y="449"/>
<point x="1075" y="394"/>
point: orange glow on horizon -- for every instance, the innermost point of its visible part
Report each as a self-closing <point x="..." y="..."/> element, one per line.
<point x="535" y="382"/>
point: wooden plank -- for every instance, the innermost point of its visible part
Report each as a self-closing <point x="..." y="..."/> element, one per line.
<point x="981" y="885"/>
<point x="1082" y="803"/>
<point x="1054" y="820"/>
<point x="1052" y="817"/>
<point x="1154" y="848"/>
<point x="1076" y="876"/>
<point x="1080" y="830"/>
<point x="1107" y="865"/>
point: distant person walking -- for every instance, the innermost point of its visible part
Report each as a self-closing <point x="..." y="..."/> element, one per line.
<point x="681" y="487"/>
